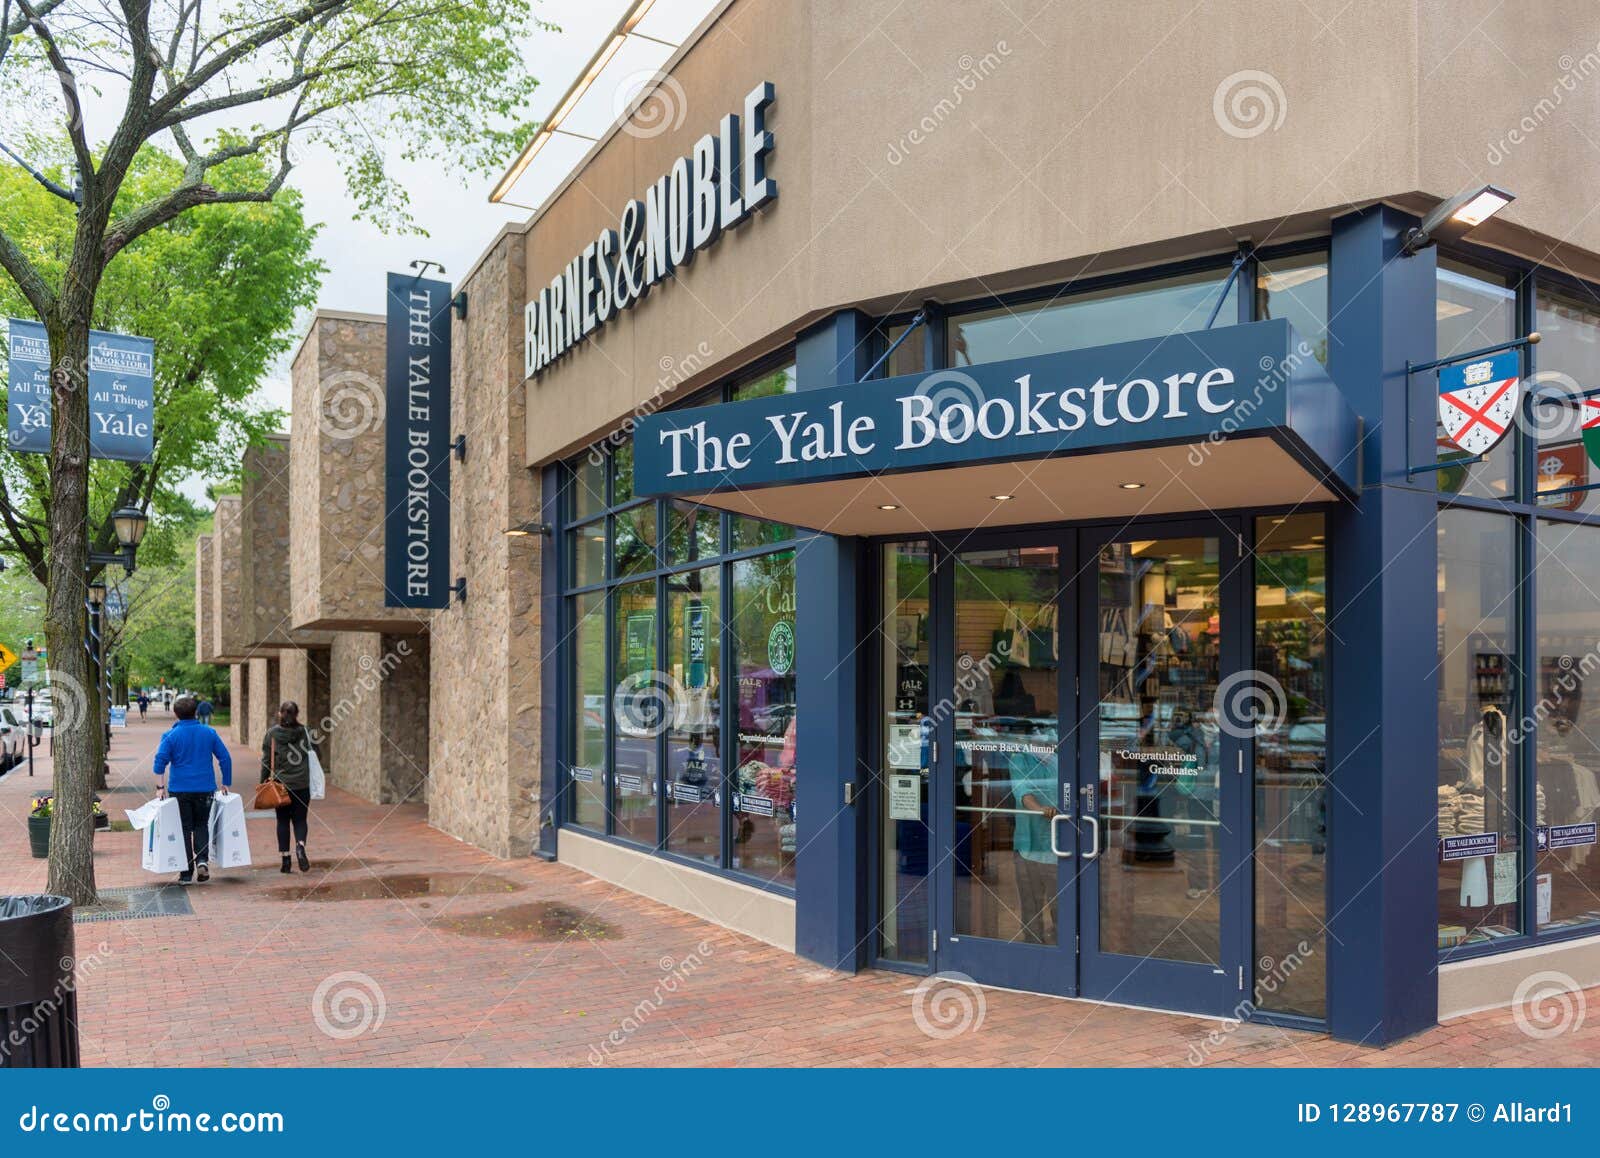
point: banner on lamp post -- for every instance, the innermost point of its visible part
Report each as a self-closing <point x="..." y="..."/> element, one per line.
<point x="121" y="393"/>
<point x="417" y="443"/>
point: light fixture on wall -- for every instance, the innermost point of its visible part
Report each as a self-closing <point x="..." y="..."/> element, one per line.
<point x="888" y="506"/>
<point x="1002" y="498"/>
<point x="522" y="529"/>
<point x="626" y="27"/>
<point x="1456" y="218"/>
<point x="1131" y="486"/>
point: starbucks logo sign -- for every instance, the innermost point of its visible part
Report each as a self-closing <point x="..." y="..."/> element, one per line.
<point x="780" y="647"/>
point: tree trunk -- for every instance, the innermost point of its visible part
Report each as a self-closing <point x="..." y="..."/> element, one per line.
<point x="78" y="739"/>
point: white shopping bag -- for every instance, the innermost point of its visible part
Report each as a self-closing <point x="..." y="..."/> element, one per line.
<point x="230" y="843"/>
<point x="161" y="846"/>
<point x="319" y="783"/>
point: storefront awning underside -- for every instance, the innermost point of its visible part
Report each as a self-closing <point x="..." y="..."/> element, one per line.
<point x="1226" y="419"/>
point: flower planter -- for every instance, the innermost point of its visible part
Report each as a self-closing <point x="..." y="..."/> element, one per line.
<point x="39" y="836"/>
<point x="102" y="820"/>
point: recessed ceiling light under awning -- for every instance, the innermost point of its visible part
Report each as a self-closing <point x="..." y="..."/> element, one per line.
<point x="1238" y="417"/>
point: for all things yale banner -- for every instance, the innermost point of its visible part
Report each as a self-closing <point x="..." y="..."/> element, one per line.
<point x="121" y="393"/>
<point x="417" y="416"/>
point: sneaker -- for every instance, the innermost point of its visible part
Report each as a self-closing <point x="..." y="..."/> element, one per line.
<point x="185" y="878"/>
<point x="202" y="872"/>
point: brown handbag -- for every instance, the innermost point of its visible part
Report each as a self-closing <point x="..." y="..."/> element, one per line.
<point x="272" y="793"/>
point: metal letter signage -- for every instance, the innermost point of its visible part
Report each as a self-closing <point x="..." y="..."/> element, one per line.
<point x="722" y="182"/>
<point x="1255" y="380"/>
<point x="416" y="525"/>
<point x="121" y="393"/>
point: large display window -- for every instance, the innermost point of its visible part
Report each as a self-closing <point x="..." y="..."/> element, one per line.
<point x="666" y="605"/>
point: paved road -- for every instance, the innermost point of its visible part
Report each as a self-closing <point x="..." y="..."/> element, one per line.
<point x="432" y="953"/>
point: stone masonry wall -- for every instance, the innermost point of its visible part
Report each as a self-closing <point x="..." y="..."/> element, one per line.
<point x="264" y="539"/>
<point x="355" y="721"/>
<point x="404" y="714"/>
<point x="239" y="703"/>
<point x="336" y="478"/>
<point x="227" y="556"/>
<point x="303" y="678"/>
<point x="204" y="638"/>
<point x="484" y="707"/>
<point x="264" y="697"/>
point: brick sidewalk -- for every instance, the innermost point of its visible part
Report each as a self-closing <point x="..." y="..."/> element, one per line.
<point x="237" y="983"/>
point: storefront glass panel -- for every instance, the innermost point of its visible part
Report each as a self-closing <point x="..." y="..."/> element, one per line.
<point x="903" y="682"/>
<point x="1569" y="364"/>
<point x="694" y="733"/>
<point x="587" y="488"/>
<point x="1479" y="785"/>
<point x="1098" y="318"/>
<point x="586" y="553"/>
<point x="587" y="770"/>
<point x="1007" y="721"/>
<point x="1291" y="823"/>
<point x="1475" y="308"/>
<point x="1567" y="873"/>
<point x="762" y="634"/>
<point x="693" y="533"/>
<point x="1296" y="288"/>
<point x="641" y="706"/>
<point x="1160" y="749"/>
<point x="633" y="547"/>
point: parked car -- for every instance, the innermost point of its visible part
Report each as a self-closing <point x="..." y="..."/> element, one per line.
<point x="13" y="737"/>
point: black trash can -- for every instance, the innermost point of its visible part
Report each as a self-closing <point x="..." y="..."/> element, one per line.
<point x="38" y="1002"/>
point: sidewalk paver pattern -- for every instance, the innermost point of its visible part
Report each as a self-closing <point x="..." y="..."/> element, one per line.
<point x="423" y="951"/>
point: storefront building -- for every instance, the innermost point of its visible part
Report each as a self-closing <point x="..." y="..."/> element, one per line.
<point x="984" y="514"/>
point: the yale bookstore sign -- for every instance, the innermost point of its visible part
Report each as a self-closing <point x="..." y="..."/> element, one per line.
<point x="1251" y="380"/>
<point x="719" y="184"/>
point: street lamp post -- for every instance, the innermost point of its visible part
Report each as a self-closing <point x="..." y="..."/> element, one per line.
<point x="130" y="524"/>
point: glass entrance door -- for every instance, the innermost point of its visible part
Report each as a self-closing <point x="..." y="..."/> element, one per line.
<point x="1005" y="793"/>
<point x="1161" y="788"/>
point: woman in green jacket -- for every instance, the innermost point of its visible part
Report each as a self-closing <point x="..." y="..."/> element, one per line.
<point x="286" y="757"/>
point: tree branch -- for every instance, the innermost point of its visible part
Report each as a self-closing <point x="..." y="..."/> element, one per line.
<point x="69" y="93"/>
<point x="32" y="284"/>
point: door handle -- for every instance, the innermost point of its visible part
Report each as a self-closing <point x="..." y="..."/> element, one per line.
<point x="1054" y="847"/>
<point x="1094" y="847"/>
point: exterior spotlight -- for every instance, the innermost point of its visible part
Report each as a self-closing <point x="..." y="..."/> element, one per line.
<point x="1002" y="498"/>
<point x="1131" y="486"/>
<point x="522" y="529"/>
<point x="888" y="506"/>
<point x="1456" y="218"/>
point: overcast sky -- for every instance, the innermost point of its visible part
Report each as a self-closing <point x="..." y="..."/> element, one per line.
<point x="456" y="211"/>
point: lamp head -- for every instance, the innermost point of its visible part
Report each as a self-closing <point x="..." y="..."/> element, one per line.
<point x="1457" y="217"/>
<point x="130" y="524"/>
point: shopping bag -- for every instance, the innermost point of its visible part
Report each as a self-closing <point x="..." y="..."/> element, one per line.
<point x="230" y="842"/>
<point x="319" y="783"/>
<point x="162" y="848"/>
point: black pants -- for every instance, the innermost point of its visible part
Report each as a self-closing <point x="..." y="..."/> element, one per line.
<point x="296" y="811"/>
<point x="194" y="810"/>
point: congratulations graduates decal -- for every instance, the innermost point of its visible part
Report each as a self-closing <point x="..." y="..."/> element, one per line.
<point x="1478" y="400"/>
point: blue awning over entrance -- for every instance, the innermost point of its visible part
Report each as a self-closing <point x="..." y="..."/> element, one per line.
<point x="1236" y="417"/>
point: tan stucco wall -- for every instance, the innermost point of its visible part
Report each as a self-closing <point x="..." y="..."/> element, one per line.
<point x="336" y="479"/>
<point x="1089" y="140"/>
<point x="484" y="708"/>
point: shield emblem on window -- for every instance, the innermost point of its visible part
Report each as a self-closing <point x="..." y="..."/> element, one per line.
<point x="1478" y="400"/>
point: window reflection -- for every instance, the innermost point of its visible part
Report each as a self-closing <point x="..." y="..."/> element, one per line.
<point x="587" y="769"/>
<point x="1569" y="364"/>
<point x="1296" y="288"/>
<point x="1160" y="749"/>
<point x="1567" y="877"/>
<point x="1479" y="786"/>
<point x="1291" y="839"/>
<point x="1474" y="308"/>
<point x="903" y="797"/>
<point x="764" y="643"/>
<point x="640" y="709"/>
<point x="1149" y="310"/>
<point x="694" y="732"/>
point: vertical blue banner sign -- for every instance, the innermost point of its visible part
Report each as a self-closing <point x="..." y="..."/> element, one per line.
<point x="121" y="393"/>
<point x="417" y="473"/>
